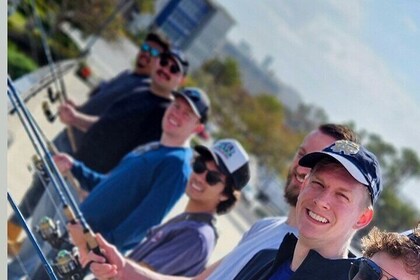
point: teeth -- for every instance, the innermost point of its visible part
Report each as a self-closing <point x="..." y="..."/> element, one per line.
<point x="194" y="186"/>
<point x="317" y="217"/>
<point x="173" y="122"/>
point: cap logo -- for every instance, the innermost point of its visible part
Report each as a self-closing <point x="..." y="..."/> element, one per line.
<point x="226" y="149"/>
<point x="345" y="147"/>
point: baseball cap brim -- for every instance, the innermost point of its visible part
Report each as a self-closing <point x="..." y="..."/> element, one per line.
<point x="190" y="102"/>
<point x="310" y="160"/>
<point x="203" y="150"/>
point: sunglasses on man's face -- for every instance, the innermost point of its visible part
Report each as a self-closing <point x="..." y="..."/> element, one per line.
<point x="152" y="51"/>
<point x="164" y="61"/>
<point x="366" y="269"/>
<point x="212" y="177"/>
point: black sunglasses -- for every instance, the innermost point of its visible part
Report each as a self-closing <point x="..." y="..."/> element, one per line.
<point x="147" y="48"/>
<point x="164" y="61"/>
<point x="212" y="177"/>
<point x="366" y="269"/>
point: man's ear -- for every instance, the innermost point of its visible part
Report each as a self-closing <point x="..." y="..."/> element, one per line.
<point x="200" y="128"/>
<point x="364" y="219"/>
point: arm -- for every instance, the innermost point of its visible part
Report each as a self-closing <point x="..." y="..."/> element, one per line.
<point x="70" y="116"/>
<point x="123" y="269"/>
<point x="87" y="177"/>
<point x="182" y="251"/>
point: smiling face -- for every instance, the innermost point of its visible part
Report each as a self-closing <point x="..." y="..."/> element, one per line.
<point x="201" y="192"/>
<point x="331" y="206"/>
<point x="313" y="142"/>
<point x="180" y="121"/>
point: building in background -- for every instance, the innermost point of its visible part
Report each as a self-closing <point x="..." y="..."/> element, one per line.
<point x="198" y="27"/>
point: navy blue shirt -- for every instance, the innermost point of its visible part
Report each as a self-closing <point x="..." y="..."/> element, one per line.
<point x="133" y="120"/>
<point x="283" y="272"/>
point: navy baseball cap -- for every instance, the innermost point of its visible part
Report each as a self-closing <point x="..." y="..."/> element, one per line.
<point x="198" y="101"/>
<point x="231" y="158"/>
<point x="357" y="160"/>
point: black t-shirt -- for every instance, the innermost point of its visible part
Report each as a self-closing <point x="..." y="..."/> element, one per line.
<point x="134" y="119"/>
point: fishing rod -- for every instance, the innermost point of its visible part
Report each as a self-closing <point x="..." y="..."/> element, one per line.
<point x="57" y="77"/>
<point x="38" y="250"/>
<point x="56" y="178"/>
<point x="52" y="66"/>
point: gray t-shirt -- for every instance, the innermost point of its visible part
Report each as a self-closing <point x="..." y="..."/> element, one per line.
<point x="267" y="233"/>
<point x="181" y="246"/>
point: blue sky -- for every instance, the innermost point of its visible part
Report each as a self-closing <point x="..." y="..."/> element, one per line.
<point x="359" y="60"/>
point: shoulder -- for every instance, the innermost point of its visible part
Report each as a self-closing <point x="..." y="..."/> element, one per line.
<point x="269" y="223"/>
<point x="176" y="155"/>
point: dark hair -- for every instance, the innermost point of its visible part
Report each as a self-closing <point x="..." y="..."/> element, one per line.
<point x="159" y="39"/>
<point x="232" y="197"/>
<point x="339" y="132"/>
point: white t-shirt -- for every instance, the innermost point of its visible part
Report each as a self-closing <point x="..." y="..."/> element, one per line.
<point x="267" y="233"/>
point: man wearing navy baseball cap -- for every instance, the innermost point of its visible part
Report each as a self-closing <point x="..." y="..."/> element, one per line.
<point x="336" y="200"/>
<point x="359" y="162"/>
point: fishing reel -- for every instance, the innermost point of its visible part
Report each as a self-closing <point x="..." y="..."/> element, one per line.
<point x="50" y="232"/>
<point x="67" y="265"/>
<point x="40" y="168"/>
<point x="52" y="96"/>
<point x="47" y="112"/>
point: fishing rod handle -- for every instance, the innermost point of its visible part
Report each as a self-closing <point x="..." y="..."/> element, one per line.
<point x="93" y="245"/>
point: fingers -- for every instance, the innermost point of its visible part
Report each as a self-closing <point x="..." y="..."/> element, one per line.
<point x="103" y="270"/>
<point x="63" y="161"/>
<point x="67" y="113"/>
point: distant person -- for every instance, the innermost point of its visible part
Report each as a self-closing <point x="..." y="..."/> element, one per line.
<point x="183" y="245"/>
<point x="105" y="95"/>
<point x="388" y="255"/>
<point x="123" y="204"/>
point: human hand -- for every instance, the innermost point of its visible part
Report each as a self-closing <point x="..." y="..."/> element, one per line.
<point x="64" y="162"/>
<point x="67" y="113"/>
<point x="112" y="266"/>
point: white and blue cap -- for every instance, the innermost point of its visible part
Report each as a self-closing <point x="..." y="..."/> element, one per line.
<point x="357" y="160"/>
<point x="231" y="158"/>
